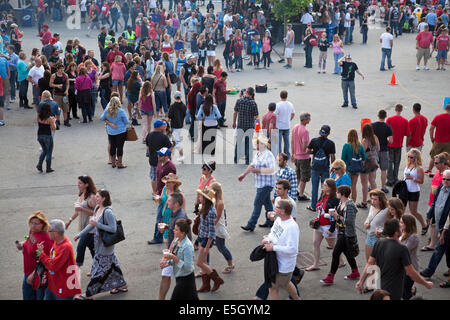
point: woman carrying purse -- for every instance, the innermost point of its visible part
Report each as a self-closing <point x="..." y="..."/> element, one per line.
<point x="344" y="218"/>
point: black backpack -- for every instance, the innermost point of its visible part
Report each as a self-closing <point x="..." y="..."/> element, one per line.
<point x="320" y="160"/>
<point x="356" y="164"/>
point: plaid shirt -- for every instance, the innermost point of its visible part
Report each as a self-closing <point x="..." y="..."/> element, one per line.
<point x="247" y="111"/>
<point x="289" y="175"/>
<point x="264" y="160"/>
<point x="207" y="228"/>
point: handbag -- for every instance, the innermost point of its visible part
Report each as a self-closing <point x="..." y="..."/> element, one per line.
<point x="196" y="225"/>
<point x="131" y="134"/>
<point x="110" y="238"/>
<point x="314" y="223"/>
<point x="371" y="161"/>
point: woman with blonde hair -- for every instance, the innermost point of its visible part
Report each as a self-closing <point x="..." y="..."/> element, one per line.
<point x="338" y="52"/>
<point x="116" y="120"/>
<point x="217" y="67"/>
<point x="221" y="227"/>
<point x="147" y="105"/>
<point x="376" y="218"/>
<point x="411" y="240"/>
<point x="44" y="62"/>
<point x="159" y="83"/>
<point x="38" y="227"/>
<point x="339" y="173"/>
<point x="353" y="155"/>
<point x="371" y="146"/>
<point x="414" y="177"/>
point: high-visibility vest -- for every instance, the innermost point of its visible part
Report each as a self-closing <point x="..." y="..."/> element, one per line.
<point x="130" y="37"/>
<point x="108" y="38"/>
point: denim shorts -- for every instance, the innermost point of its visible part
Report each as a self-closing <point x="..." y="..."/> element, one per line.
<point x="204" y="241"/>
<point x="147" y="113"/>
<point x="442" y="54"/>
<point x="371" y="240"/>
<point x="117" y="82"/>
<point x="152" y="173"/>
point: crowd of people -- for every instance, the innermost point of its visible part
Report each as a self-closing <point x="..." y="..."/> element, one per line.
<point x="160" y="51"/>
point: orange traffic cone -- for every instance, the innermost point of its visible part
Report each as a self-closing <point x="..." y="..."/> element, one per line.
<point x="258" y="126"/>
<point x="393" y="82"/>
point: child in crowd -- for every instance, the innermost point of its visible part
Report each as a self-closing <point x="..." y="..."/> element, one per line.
<point x="442" y="46"/>
<point x="323" y="48"/>
<point x="256" y="50"/>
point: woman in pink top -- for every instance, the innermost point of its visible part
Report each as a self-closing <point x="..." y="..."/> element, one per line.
<point x="266" y="49"/>
<point x="83" y="85"/>
<point x="147" y="105"/>
<point x="118" y="71"/>
<point x="441" y="161"/>
<point x="337" y="52"/>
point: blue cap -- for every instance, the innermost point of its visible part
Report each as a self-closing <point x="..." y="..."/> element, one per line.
<point x="158" y="123"/>
<point x="163" y="152"/>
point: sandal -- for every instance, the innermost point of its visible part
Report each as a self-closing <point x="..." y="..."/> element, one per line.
<point x="310" y="209"/>
<point x="445" y="284"/>
<point x="426" y="248"/>
<point x="425" y="230"/>
<point x="342" y="265"/>
<point x="312" y="268"/>
<point x="362" y="205"/>
<point x="121" y="166"/>
<point x="118" y="290"/>
<point x="228" y="269"/>
<point x="81" y="297"/>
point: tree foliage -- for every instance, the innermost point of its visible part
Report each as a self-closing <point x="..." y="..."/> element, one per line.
<point x="286" y="9"/>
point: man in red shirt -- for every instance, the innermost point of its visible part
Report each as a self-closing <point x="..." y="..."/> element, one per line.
<point x="45" y="35"/>
<point x="269" y="120"/>
<point x="63" y="277"/>
<point x="115" y="52"/>
<point x="400" y="129"/>
<point x="423" y="42"/>
<point x="417" y="127"/>
<point x="439" y="135"/>
<point x="220" y="96"/>
<point x="164" y="167"/>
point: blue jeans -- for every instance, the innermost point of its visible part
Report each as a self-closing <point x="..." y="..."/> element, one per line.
<point x="158" y="236"/>
<point x="57" y="14"/>
<point x="23" y="93"/>
<point x="308" y="56"/>
<point x="394" y="27"/>
<point x="346" y="87"/>
<point x="228" y="61"/>
<point x="114" y="23"/>
<point x="86" y="241"/>
<point x="364" y="34"/>
<point x="284" y="134"/>
<point x="104" y="97"/>
<point x="46" y="143"/>
<point x="262" y="199"/>
<point x="28" y="293"/>
<point x="221" y="105"/>
<point x="386" y="53"/>
<point x="238" y="62"/>
<point x="220" y="243"/>
<point x="436" y="257"/>
<point x="337" y="67"/>
<point x="161" y="101"/>
<point x="51" y="296"/>
<point x="125" y="20"/>
<point x="317" y="177"/>
<point x="12" y="83"/>
<point x="348" y="35"/>
<point x="94" y="95"/>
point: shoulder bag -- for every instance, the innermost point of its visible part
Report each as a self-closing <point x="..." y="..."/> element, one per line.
<point x="109" y="238"/>
<point x="314" y="223"/>
<point x="131" y="134"/>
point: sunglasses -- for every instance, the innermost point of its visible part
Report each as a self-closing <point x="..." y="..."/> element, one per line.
<point x="411" y="157"/>
<point x="437" y="163"/>
<point x="335" y="168"/>
<point x="444" y="179"/>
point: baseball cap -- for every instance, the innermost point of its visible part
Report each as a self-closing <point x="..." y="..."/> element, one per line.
<point x="45" y="26"/>
<point x="52" y="40"/>
<point x="158" y="123"/>
<point x="325" y="130"/>
<point x="163" y="152"/>
<point x="177" y="94"/>
<point x="348" y="56"/>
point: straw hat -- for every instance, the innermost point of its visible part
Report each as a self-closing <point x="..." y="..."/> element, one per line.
<point x="171" y="177"/>
<point x="208" y="194"/>
<point x="262" y="139"/>
<point x="41" y="216"/>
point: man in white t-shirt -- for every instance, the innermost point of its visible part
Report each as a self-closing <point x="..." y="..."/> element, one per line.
<point x="387" y="42"/>
<point x="36" y="73"/>
<point x="58" y="45"/>
<point x="305" y="20"/>
<point x="285" y="113"/>
<point x="283" y="240"/>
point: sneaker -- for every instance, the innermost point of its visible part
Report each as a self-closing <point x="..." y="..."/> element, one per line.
<point x="8" y="107"/>
<point x="355" y="106"/>
<point x="353" y="276"/>
<point x="303" y="198"/>
<point x="344" y="105"/>
<point x="385" y="190"/>
<point x="438" y="68"/>
<point x="12" y="100"/>
<point x="181" y="159"/>
<point x="328" y="280"/>
<point x="443" y="69"/>
<point x="247" y="229"/>
<point x="418" y="68"/>
<point x="426" y="68"/>
<point x="2" y="123"/>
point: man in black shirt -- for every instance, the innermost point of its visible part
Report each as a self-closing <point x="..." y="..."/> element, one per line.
<point x="177" y="113"/>
<point x="384" y="133"/>
<point x="102" y="38"/>
<point x="348" y="79"/>
<point x="185" y="72"/>
<point x="320" y="168"/>
<point x="392" y="259"/>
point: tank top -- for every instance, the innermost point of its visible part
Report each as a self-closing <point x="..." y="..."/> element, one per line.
<point x="411" y="185"/>
<point x="44" y="129"/>
<point x="180" y="63"/>
<point x="228" y="32"/>
<point x="202" y="184"/>
<point x="147" y="103"/>
<point x="83" y="219"/>
<point x="72" y="83"/>
<point x="60" y="80"/>
<point x="166" y="47"/>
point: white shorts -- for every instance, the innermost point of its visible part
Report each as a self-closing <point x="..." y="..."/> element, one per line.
<point x="210" y="53"/>
<point x="177" y="136"/>
<point x="167" y="271"/>
<point x="288" y="52"/>
<point x="324" y="231"/>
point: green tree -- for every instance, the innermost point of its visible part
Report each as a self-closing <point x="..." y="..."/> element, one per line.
<point x="287" y="9"/>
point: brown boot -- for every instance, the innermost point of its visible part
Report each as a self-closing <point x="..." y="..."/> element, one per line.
<point x="206" y="286"/>
<point x="217" y="280"/>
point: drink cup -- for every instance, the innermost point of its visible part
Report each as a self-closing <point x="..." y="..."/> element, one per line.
<point x="77" y="204"/>
<point x="166" y="253"/>
<point x="327" y="216"/>
<point x="379" y="229"/>
<point x="272" y="215"/>
<point x="266" y="239"/>
<point x="161" y="227"/>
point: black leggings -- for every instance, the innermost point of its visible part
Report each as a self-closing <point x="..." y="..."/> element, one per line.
<point x="117" y="141"/>
<point x="339" y="248"/>
<point x="266" y="58"/>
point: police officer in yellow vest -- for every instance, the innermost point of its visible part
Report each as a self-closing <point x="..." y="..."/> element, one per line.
<point x="110" y="38"/>
<point x="130" y="36"/>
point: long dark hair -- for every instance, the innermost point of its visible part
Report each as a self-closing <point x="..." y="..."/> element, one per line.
<point x="45" y="111"/>
<point x="105" y="194"/>
<point x="91" y="188"/>
<point x="332" y="185"/>
<point x="368" y="134"/>
<point x="207" y="105"/>
<point x="132" y="79"/>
